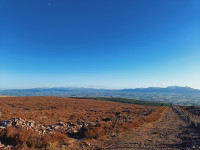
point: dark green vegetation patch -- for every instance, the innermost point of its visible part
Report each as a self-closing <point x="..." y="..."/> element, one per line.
<point x="129" y="101"/>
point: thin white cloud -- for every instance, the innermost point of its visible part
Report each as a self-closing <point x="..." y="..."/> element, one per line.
<point x="163" y="83"/>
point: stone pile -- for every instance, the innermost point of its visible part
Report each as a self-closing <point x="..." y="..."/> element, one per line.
<point x="3" y="146"/>
<point x="17" y="122"/>
<point x="72" y="129"/>
<point x="68" y="128"/>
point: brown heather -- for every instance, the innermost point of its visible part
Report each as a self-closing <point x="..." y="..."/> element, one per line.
<point x="22" y="138"/>
<point x="51" y="110"/>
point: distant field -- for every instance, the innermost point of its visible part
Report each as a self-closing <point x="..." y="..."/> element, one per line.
<point x="129" y="101"/>
<point x="85" y="118"/>
<point x="173" y="95"/>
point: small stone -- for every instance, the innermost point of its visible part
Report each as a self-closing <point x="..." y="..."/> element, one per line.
<point x="87" y="144"/>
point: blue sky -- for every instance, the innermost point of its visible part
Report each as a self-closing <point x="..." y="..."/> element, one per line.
<point x="102" y="43"/>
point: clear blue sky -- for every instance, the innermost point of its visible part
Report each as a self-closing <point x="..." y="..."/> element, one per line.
<point x="99" y="43"/>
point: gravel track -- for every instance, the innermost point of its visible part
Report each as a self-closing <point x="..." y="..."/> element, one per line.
<point x="170" y="132"/>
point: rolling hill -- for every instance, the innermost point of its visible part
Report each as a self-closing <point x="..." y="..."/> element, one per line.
<point x="171" y="94"/>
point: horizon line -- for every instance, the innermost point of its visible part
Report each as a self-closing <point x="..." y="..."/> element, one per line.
<point x="98" y="88"/>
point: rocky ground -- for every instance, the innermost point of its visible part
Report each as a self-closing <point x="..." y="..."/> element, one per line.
<point x="71" y="129"/>
<point x="68" y="128"/>
<point x="170" y="132"/>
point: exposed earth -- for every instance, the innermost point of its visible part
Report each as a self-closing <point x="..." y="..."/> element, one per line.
<point x="170" y="132"/>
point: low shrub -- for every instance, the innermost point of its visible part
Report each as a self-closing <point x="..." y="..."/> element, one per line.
<point x="94" y="132"/>
<point x="21" y="138"/>
<point x="54" y="140"/>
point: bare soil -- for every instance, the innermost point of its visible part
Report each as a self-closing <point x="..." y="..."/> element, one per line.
<point x="169" y="132"/>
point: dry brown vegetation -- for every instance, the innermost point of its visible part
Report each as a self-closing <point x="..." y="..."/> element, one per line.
<point x="191" y="114"/>
<point x="22" y="138"/>
<point x="99" y="115"/>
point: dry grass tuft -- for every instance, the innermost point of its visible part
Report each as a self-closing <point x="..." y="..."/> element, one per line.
<point x="94" y="132"/>
<point x="26" y="138"/>
<point x="99" y="115"/>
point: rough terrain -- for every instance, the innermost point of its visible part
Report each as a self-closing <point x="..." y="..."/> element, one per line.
<point x="170" y="132"/>
<point x="95" y="120"/>
<point x="26" y="121"/>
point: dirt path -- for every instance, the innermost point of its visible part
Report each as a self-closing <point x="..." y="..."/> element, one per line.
<point x="170" y="132"/>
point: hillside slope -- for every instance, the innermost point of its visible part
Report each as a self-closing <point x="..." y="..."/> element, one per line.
<point x="170" y="132"/>
<point x="172" y="94"/>
<point x="57" y="122"/>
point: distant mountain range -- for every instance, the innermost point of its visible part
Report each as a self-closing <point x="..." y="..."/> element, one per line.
<point x="171" y="94"/>
<point x="170" y="89"/>
<point x="173" y="89"/>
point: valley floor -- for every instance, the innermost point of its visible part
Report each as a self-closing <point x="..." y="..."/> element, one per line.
<point x="170" y="132"/>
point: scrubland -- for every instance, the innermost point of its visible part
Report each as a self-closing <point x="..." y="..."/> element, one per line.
<point x="68" y="121"/>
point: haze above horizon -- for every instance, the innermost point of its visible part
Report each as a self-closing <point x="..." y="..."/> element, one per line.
<point x="103" y="44"/>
